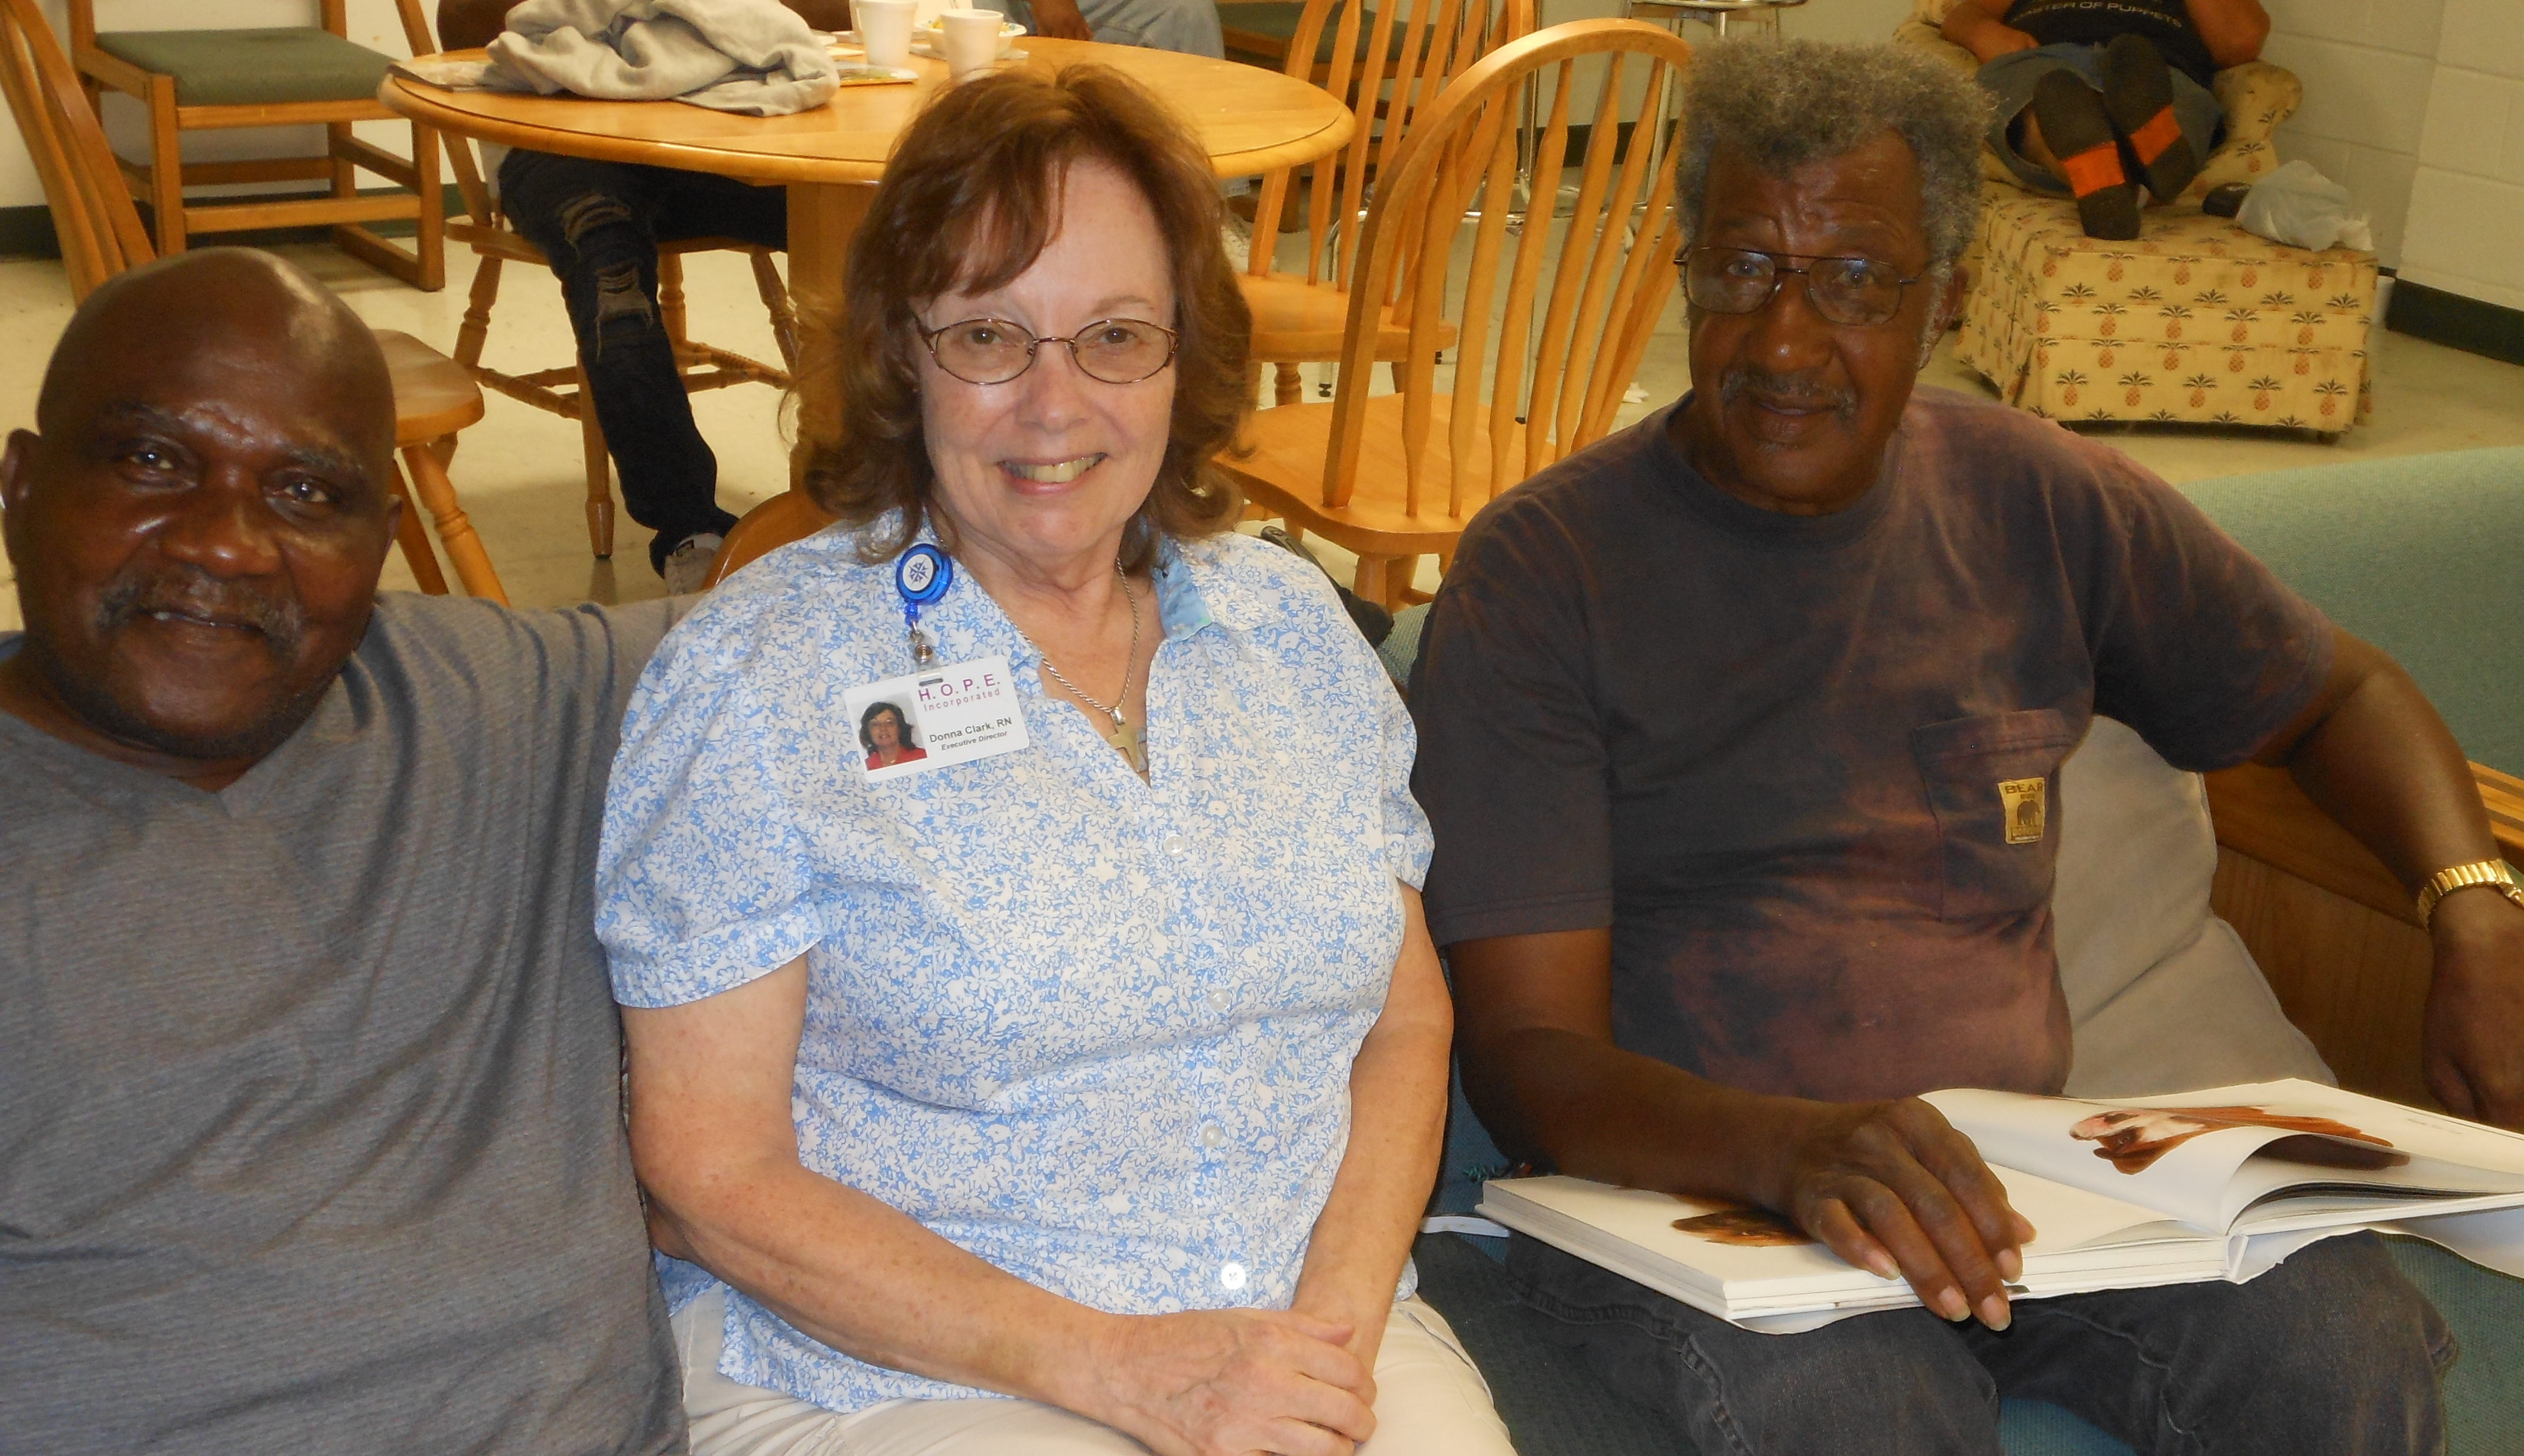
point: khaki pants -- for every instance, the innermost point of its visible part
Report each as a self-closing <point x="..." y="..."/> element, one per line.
<point x="1430" y="1402"/>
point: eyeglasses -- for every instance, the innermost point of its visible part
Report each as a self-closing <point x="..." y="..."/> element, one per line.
<point x="1855" y="291"/>
<point x="994" y="351"/>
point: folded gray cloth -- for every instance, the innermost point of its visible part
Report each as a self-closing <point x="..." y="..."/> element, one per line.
<point x="756" y="57"/>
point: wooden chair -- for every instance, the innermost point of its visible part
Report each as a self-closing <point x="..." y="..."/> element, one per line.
<point x="790" y="515"/>
<point x="202" y="80"/>
<point x="101" y="236"/>
<point x="562" y="390"/>
<point x="1264" y="33"/>
<point x="1397" y="476"/>
<point x="2335" y="934"/>
<point x="1388" y="74"/>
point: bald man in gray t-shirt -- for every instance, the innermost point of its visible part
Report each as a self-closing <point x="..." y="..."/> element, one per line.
<point x="310" y="1107"/>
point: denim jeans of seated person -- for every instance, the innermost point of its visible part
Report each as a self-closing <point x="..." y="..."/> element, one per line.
<point x="2333" y="1353"/>
<point x="599" y="225"/>
<point x="1430" y="1401"/>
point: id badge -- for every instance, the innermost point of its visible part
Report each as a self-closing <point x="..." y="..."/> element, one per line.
<point x="935" y="718"/>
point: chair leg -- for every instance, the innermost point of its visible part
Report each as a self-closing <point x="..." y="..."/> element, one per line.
<point x="1374" y="572"/>
<point x="477" y="311"/>
<point x="670" y="302"/>
<point x="346" y="178"/>
<point x="1398" y="576"/>
<point x="166" y="167"/>
<point x="600" y="474"/>
<point x="1287" y="384"/>
<point x="413" y="538"/>
<point x="775" y="302"/>
<point x="429" y="234"/>
<point x="463" y="549"/>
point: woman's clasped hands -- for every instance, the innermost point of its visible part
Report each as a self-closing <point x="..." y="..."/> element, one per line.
<point x="1234" y="1381"/>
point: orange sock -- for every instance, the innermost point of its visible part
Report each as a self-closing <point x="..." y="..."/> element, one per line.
<point x="2095" y="168"/>
<point x="2152" y="140"/>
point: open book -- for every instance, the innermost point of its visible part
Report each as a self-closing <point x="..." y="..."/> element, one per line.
<point x="2221" y="1183"/>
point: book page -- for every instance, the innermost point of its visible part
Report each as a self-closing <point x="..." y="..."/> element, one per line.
<point x="2205" y="1157"/>
<point x="2493" y="1240"/>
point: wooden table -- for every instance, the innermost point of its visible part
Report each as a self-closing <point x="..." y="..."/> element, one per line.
<point x="1251" y="120"/>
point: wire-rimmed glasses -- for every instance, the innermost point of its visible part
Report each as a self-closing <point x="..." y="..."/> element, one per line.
<point x="1855" y="291"/>
<point x="994" y="351"/>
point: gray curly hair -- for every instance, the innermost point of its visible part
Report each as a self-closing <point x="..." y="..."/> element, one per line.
<point x="1782" y="105"/>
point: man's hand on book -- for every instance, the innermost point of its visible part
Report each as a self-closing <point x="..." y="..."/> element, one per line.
<point x="1893" y="1189"/>
<point x="2474" y="1050"/>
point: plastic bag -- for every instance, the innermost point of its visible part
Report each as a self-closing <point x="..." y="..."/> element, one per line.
<point x="2301" y="208"/>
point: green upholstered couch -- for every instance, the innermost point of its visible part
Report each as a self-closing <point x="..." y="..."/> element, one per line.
<point x="2423" y="555"/>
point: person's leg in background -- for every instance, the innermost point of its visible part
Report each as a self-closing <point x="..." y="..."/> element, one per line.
<point x="2056" y="123"/>
<point x="2332" y="1353"/>
<point x="1187" y="25"/>
<point x="599" y="225"/>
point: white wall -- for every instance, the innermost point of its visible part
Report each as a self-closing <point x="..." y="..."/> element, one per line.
<point x="372" y="24"/>
<point x="2466" y="224"/>
<point x="2368" y="67"/>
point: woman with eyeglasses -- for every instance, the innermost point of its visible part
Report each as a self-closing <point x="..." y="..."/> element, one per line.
<point x="1097" y="1059"/>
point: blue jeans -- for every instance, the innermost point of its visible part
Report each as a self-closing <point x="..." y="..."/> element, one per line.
<point x="600" y="225"/>
<point x="1187" y="25"/>
<point x="2333" y="1353"/>
<point x="2010" y="79"/>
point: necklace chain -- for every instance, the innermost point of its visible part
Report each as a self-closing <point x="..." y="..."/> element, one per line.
<point x="1121" y="735"/>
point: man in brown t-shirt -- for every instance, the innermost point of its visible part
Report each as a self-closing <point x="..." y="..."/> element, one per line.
<point x="1740" y="734"/>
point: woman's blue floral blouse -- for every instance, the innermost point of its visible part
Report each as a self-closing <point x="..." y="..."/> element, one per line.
<point x="1095" y="1030"/>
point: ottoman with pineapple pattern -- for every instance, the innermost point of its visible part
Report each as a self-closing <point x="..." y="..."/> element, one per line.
<point x="2195" y="321"/>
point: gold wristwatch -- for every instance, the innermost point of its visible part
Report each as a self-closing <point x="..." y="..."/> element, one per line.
<point x="2446" y="882"/>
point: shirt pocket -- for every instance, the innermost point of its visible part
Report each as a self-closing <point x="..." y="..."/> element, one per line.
<point x="1993" y="783"/>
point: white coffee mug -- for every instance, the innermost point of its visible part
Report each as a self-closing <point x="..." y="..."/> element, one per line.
<point x="884" y="29"/>
<point x="970" y="40"/>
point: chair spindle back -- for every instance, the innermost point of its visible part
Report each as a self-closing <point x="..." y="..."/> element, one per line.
<point x="99" y="227"/>
<point x="1545" y="346"/>
<point x="1388" y="78"/>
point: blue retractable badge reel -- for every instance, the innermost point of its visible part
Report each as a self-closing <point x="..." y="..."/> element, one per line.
<point x="922" y="576"/>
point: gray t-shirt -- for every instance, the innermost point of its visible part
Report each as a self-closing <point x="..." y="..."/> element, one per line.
<point x="310" y="1112"/>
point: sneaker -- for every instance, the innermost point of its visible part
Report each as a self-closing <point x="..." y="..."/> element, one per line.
<point x="2138" y="95"/>
<point x="687" y="566"/>
<point x="2078" y="131"/>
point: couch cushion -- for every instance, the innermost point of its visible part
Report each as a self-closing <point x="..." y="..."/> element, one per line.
<point x="2417" y="556"/>
<point x="2163" y="997"/>
<point x="264" y="67"/>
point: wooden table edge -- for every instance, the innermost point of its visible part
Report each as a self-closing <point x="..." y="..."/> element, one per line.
<point x="419" y="101"/>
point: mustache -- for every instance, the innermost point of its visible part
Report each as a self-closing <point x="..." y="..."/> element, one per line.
<point x="1800" y="390"/>
<point x="195" y="593"/>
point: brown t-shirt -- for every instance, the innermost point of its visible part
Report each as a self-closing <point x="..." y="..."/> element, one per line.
<point x="1806" y="768"/>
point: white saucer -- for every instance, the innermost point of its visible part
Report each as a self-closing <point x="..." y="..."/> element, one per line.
<point x="925" y="45"/>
